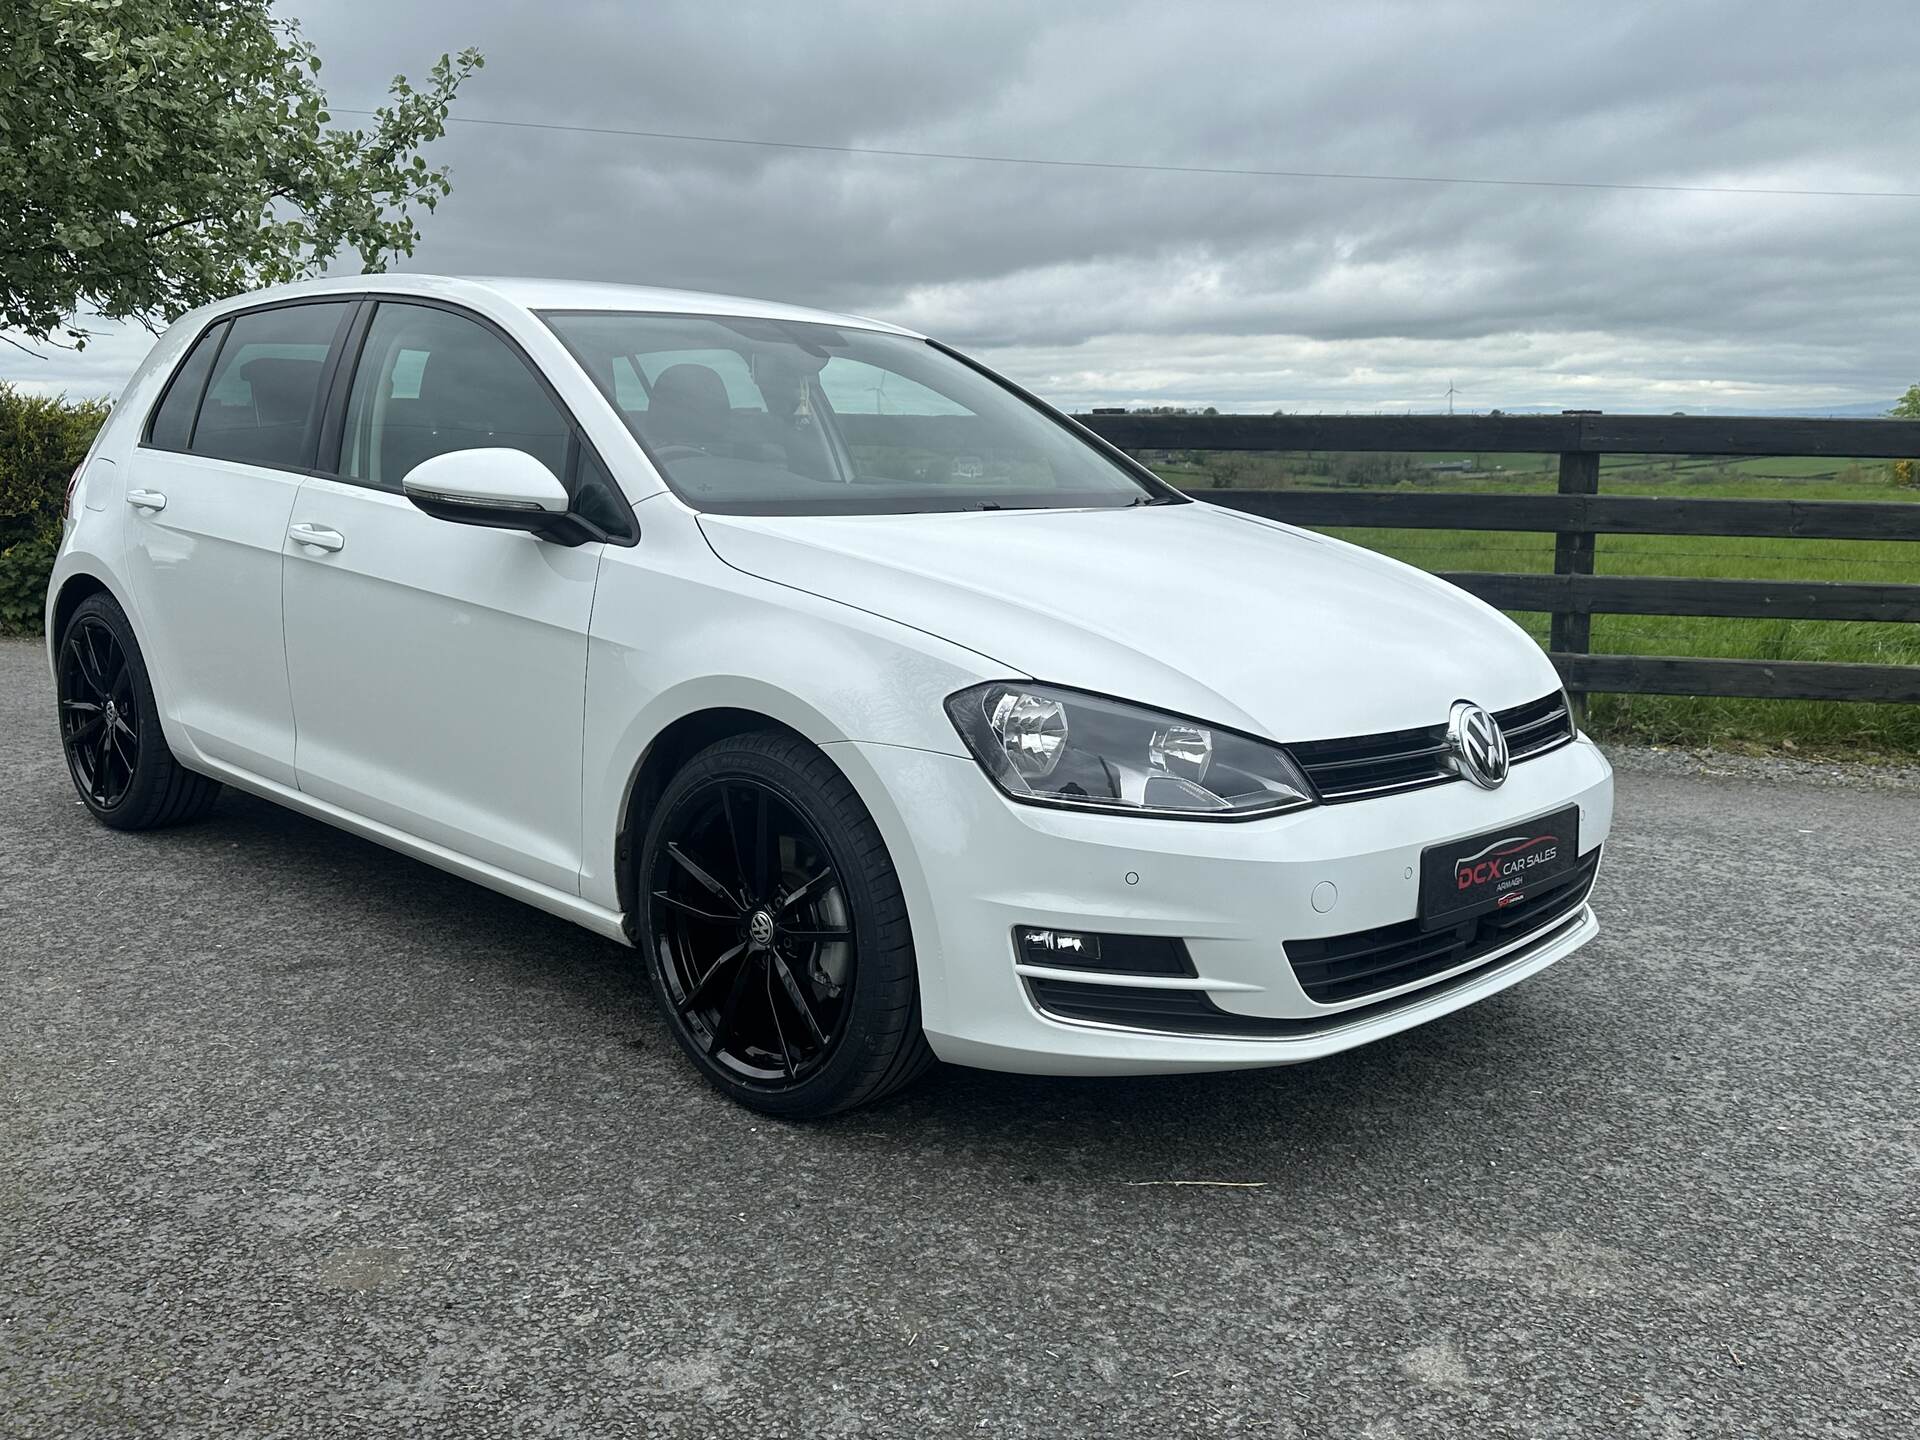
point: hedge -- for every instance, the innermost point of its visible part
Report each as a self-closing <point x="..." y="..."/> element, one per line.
<point x="42" y="438"/>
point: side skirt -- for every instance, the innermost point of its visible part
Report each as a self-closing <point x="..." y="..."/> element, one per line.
<point x="542" y="897"/>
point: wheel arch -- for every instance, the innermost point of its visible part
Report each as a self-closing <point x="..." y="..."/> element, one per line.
<point x="692" y="731"/>
<point x="76" y="578"/>
<point x="676" y="743"/>
<point x="76" y="588"/>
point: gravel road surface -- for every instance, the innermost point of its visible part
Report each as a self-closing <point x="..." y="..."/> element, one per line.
<point x="301" y="1138"/>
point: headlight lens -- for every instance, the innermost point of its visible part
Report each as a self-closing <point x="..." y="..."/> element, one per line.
<point x="1062" y="747"/>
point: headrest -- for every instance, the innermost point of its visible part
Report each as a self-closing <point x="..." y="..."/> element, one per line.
<point x="283" y="389"/>
<point x="692" y="387"/>
<point x="483" y="384"/>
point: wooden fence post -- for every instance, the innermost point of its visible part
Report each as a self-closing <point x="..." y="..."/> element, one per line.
<point x="1571" y="633"/>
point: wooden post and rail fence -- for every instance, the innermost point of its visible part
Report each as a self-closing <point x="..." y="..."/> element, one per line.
<point x="1573" y="593"/>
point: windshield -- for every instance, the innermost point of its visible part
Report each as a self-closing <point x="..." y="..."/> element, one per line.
<point x="778" y="417"/>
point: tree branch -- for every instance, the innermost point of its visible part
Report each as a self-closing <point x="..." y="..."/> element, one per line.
<point x="159" y="230"/>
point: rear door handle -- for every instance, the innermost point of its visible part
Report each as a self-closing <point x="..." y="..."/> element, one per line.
<point x="317" y="536"/>
<point x="147" y="500"/>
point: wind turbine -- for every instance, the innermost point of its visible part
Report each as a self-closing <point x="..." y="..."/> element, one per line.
<point x="1451" y="392"/>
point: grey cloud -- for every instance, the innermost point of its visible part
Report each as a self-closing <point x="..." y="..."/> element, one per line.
<point x="1113" y="285"/>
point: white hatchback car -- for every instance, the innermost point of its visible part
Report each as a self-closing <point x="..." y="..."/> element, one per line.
<point x="887" y="711"/>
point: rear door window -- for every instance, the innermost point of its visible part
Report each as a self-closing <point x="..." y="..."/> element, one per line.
<point x="262" y="406"/>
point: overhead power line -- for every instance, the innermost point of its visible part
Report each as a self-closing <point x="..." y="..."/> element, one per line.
<point x="1143" y="166"/>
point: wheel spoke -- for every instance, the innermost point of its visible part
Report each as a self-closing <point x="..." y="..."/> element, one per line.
<point x="723" y="1027"/>
<point x="80" y="707"/>
<point x="816" y="935"/>
<point x="686" y="863"/>
<point x="88" y="664"/>
<point x="762" y="869"/>
<point x="794" y="993"/>
<point x="100" y="764"/>
<point x="666" y="897"/>
<point x="86" y="732"/>
<point x="104" y="652"/>
<point x="779" y="1030"/>
<point x="795" y="896"/>
<point x="733" y="835"/>
<point x="692" y="997"/>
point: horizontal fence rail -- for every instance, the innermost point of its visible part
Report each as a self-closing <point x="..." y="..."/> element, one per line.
<point x="1749" y="679"/>
<point x="1518" y="434"/>
<point x="1673" y="595"/>
<point x="1584" y="514"/>
<point x="1573" y="594"/>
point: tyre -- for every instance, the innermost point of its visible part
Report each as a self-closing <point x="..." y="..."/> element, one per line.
<point x="775" y="931"/>
<point x="110" y="727"/>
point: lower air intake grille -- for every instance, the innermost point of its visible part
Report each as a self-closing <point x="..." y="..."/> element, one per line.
<point x="1365" y="765"/>
<point x="1140" y="1006"/>
<point x="1344" y="967"/>
<point x="1192" y="1012"/>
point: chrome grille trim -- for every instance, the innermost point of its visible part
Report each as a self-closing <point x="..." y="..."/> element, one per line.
<point x="1364" y="766"/>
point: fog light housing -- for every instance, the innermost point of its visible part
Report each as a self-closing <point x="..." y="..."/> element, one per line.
<point x="1111" y="954"/>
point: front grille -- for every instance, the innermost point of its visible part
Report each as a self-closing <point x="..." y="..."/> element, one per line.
<point x="1366" y="765"/>
<point x="1363" y="962"/>
<point x="1537" y="728"/>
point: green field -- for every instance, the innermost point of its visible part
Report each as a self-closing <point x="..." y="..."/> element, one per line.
<point x="1810" y="726"/>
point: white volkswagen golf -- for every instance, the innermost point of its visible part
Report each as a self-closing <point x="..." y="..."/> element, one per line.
<point x="886" y="711"/>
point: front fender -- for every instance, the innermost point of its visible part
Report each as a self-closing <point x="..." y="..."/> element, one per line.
<point x="676" y="632"/>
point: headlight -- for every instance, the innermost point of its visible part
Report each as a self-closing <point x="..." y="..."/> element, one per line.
<point x="1061" y="747"/>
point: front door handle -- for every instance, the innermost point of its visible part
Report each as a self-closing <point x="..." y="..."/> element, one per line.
<point x="147" y="500"/>
<point x="317" y="536"/>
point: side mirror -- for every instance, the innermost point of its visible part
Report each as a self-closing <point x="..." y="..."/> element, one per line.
<point x="498" y="488"/>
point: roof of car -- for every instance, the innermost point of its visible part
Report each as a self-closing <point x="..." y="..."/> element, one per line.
<point x="538" y="294"/>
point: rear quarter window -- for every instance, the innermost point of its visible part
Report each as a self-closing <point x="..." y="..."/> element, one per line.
<point x="171" y="427"/>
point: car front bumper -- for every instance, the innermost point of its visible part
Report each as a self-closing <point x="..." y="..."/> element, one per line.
<point x="979" y="866"/>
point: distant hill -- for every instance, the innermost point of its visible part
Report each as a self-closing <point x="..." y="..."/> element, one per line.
<point x="1859" y="410"/>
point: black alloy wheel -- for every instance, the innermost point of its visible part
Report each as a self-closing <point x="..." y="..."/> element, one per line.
<point x="110" y="726"/>
<point x="751" y="918"/>
<point x="777" y="931"/>
<point x="99" y="718"/>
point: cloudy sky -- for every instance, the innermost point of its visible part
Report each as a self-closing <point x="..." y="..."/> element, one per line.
<point x="1110" y="285"/>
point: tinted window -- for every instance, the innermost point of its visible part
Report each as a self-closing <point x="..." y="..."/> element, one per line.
<point x="758" y="416"/>
<point x="172" y="423"/>
<point x="263" y="405"/>
<point x="429" y="382"/>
